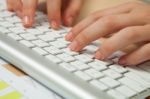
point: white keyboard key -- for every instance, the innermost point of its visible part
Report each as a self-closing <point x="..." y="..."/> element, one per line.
<point x="112" y="74"/>
<point x="118" y="68"/>
<point x="110" y="82"/>
<point x="98" y="66"/>
<point x="137" y="79"/>
<point x="83" y="58"/>
<point x="40" y="43"/>
<point x="116" y="95"/>
<point x="28" y="36"/>
<point x="126" y="91"/>
<point x="83" y="75"/>
<point x="99" y="85"/>
<point x="68" y="51"/>
<point x="27" y="43"/>
<point x="53" y="58"/>
<point x="6" y="24"/>
<point x="106" y="63"/>
<point x="53" y="50"/>
<point x="14" y="36"/>
<point x="46" y="38"/>
<point x="17" y="30"/>
<point x="145" y="75"/>
<point x="68" y="67"/>
<point x="53" y="35"/>
<point x="39" y="51"/>
<point x="4" y="30"/>
<point x="58" y="44"/>
<point x="13" y="19"/>
<point x="34" y="31"/>
<point x="65" y="57"/>
<point x="63" y="41"/>
<point x="79" y="65"/>
<point x="132" y="84"/>
<point x="94" y="74"/>
<point x="91" y="48"/>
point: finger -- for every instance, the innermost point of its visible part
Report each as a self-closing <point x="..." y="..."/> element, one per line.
<point x="140" y="55"/>
<point x="10" y="4"/>
<point x="54" y="13"/>
<point x="122" y="39"/>
<point x="29" y="7"/>
<point x="18" y="7"/>
<point x="102" y="27"/>
<point x="124" y="8"/>
<point x="71" y="12"/>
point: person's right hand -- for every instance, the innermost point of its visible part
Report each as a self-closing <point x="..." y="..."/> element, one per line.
<point x="64" y="11"/>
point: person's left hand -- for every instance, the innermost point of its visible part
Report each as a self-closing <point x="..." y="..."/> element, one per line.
<point x="130" y="24"/>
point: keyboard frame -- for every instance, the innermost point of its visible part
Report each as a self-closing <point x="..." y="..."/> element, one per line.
<point x="48" y="73"/>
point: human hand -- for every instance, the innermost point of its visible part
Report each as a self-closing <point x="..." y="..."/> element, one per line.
<point x="64" y="11"/>
<point x="129" y="23"/>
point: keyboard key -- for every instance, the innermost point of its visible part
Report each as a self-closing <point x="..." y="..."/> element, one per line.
<point x="94" y="74"/>
<point x="39" y="51"/>
<point x="17" y="30"/>
<point x="34" y="31"/>
<point x="14" y="36"/>
<point x="116" y="95"/>
<point x="68" y="51"/>
<point x="118" y="68"/>
<point x="106" y="63"/>
<point x="6" y="24"/>
<point x="40" y="43"/>
<point x="98" y="66"/>
<point x="138" y="79"/>
<point x="53" y="58"/>
<point x="53" y="50"/>
<point x="4" y="30"/>
<point x="27" y="43"/>
<point x="68" y="67"/>
<point x="110" y="82"/>
<point x="112" y="74"/>
<point x="79" y="65"/>
<point x="132" y="84"/>
<point x="28" y="36"/>
<point x="99" y="85"/>
<point x="83" y="58"/>
<point x="62" y="40"/>
<point x="145" y="75"/>
<point x="46" y="38"/>
<point x="58" y="44"/>
<point x="65" y="57"/>
<point x="126" y="91"/>
<point x="83" y="75"/>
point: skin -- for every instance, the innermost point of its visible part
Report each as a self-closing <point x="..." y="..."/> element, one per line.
<point x="127" y="24"/>
<point x="64" y="11"/>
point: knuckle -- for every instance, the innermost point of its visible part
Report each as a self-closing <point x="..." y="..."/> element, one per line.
<point x="131" y="34"/>
<point x="109" y="21"/>
<point x="94" y="16"/>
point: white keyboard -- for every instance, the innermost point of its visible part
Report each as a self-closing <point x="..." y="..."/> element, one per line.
<point x="42" y="53"/>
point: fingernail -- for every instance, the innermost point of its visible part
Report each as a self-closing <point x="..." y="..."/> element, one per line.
<point x="73" y="46"/>
<point x="26" y="21"/>
<point x="99" y="55"/>
<point x="69" y="36"/>
<point x="70" y="20"/>
<point x="54" y="24"/>
<point x="122" y="62"/>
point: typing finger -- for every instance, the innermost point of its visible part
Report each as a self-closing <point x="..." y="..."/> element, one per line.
<point x="29" y="7"/>
<point x="54" y="13"/>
